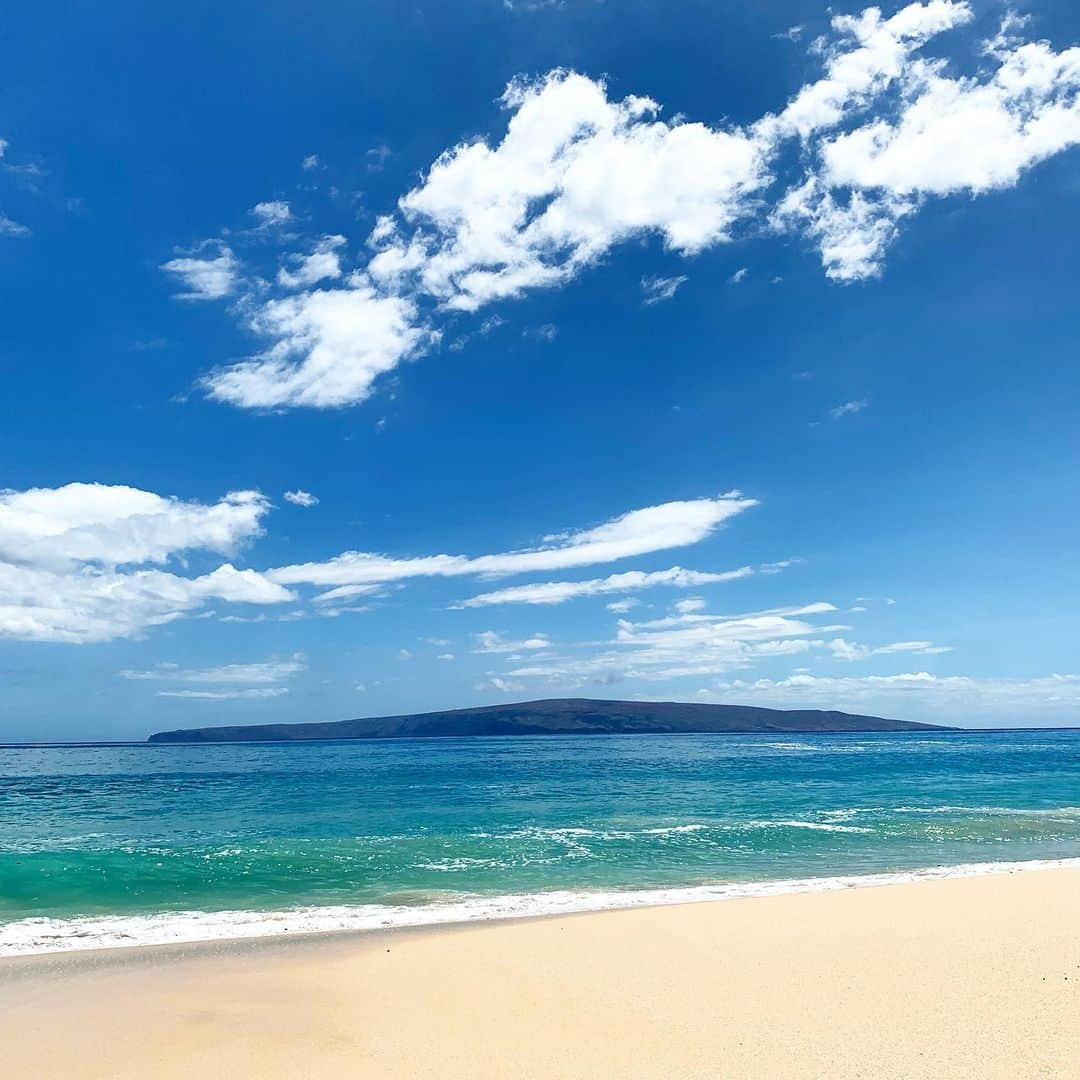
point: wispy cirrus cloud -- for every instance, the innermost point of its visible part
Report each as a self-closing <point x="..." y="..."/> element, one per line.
<point x="655" y="290"/>
<point x="267" y="671"/>
<point x="638" y="532"/>
<point x="848" y="408"/>
<point x="558" y="592"/>
<point x="257" y="693"/>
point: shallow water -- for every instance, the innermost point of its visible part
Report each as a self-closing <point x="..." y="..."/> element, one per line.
<point x="110" y="844"/>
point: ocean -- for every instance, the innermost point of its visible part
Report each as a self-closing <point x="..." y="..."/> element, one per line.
<point x="128" y="845"/>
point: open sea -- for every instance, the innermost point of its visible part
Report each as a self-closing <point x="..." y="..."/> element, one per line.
<point x="128" y="845"/>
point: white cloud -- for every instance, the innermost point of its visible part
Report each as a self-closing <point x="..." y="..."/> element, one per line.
<point x="7" y="226"/>
<point x="257" y="693"/>
<point x="849" y="408"/>
<point x="310" y="162"/>
<point x="691" y="643"/>
<point x="269" y="671"/>
<point x="94" y="562"/>
<point x="738" y="276"/>
<point x="90" y="604"/>
<point x="854" y="76"/>
<point x="792" y="33"/>
<point x="548" y="332"/>
<point x="600" y="172"/>
<point x="659" y="289"/>
<point x="329" y="347"/>
<point x="849" y="650"/>
<point x="499" y="684"/>
<point x="299" y="497"/>
<point x="690" y="605"/>
<point x="488" y="641"/>
<point x="12" y="228"/>
<point x="558" y="592"/>
<point x="377" y="157"/>
<point x="949" y="134"/>
<point x="274" y="212"/>
<point x="1051" y="691"/>
<point x="206" y="277"/>
<point x="622" y="606"/>
<point x="446" y="656"/>
<point x="348" y="592"/>
<point x="577" y="172"/>
<point x="777" y="567"/>
<point x="73" y="560"/>
<point x="653" y="528"/>
<point x="323" y="264"/>
<point x="115" y="524"/>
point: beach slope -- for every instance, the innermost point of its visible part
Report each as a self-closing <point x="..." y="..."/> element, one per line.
<point x="967" y="977"/>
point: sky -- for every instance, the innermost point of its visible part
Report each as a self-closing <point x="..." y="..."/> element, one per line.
<point x="373" y="359"/>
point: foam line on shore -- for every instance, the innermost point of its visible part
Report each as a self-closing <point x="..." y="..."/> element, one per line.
<point x="47" y="935"/>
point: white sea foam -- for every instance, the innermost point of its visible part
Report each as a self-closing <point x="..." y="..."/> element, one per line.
<point x="820" y="826"/>
<point x="1064" y="812"/>
<point x="43" y="935"/>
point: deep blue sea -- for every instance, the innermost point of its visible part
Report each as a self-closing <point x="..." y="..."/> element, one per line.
<point x="138" y="844"/>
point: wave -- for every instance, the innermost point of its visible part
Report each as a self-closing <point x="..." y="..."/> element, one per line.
<point x="1069" y="812"/>
<point x="46" y="935"/>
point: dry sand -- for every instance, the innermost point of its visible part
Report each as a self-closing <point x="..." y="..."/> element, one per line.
<point x="970" y="977"/>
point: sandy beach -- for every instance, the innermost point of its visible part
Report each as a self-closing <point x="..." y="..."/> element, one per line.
<point x="969" y="977"/>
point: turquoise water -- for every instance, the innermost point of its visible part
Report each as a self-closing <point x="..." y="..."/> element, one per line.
<point x="97" y="842"/>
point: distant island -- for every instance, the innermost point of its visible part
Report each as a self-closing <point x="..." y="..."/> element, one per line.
<point x="558" y="716"/>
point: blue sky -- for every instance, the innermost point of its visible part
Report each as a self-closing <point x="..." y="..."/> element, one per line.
<point x="722" y="354"/>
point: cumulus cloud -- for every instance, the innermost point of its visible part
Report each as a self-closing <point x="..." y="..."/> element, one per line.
<point x="328" y="346"/>
<point x="115" y="524"/>
<point x="274" y="212"/>
<point x="323" y="264"/>
<point x="205" y="277"/>
<point x="81" y="563"/>
<point x="576" y="172"/>
<point x="941" y="134"/>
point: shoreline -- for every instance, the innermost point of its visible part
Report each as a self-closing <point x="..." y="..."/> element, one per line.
<point x="959" y="978"/>
<point x="22" y="940"/>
